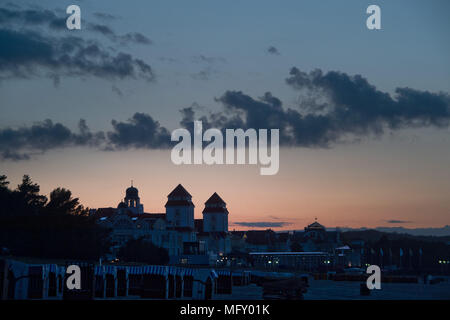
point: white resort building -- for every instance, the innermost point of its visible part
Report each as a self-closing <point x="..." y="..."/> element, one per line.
<point x="187" y="240"/>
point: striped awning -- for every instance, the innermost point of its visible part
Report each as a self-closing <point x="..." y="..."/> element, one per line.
<point x="176" y="271"/>
<point x="61" y="270"/>
<point x="172" y="271"/>
<point x="135" y="270"/>
<point x="52" y="268"/>
<point x="159" y="270"/>
<point x="188" y="272"/>
<point x="126" y="269"/>
<point x="110" y="270"/>
<point x="98" y="270"/>
<point x="214" y="274"/>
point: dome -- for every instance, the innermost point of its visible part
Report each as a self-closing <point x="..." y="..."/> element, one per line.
<point x="132" y="192"/>
<point x="121" y="205"/>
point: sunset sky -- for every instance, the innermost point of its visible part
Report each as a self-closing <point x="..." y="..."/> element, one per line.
<point x="369" y="150"/>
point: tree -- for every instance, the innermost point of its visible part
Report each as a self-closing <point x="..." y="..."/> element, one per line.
<point x="28" y="191"/>
<point x="60" y="228"/>
<point x="61" y="202"/>
<point x="141" y="250"/>
<point x="5" y="196"/>
<point x="3" y="182"/>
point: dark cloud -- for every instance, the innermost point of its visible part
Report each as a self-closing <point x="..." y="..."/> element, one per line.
<point x="125" y="39"/>
<point x="117" y="91"/>
<point x="339" y="108"/>
<point x="21" y="143"/>
<point x="104" y="16"/>
<point x="262" y="224"/>
<point x="204" y="74"/>
<point x="167" y="59"/>
<point x="64" y="56"/>
<point x="44" y="17"/>
<point x="28" y="50"/>
<point x="31" y="17"/>
<point x="141" y="131"/>
<point x="103" y="29"/>
<point x="356" y="106"/>
<point x="138" y="38"/>
<point x="209" y="60"/>
<point x="209" y="68"/>
<point x="397" y="221"/>
<point x="13" y="155"/>
<point x="273" y="50"/>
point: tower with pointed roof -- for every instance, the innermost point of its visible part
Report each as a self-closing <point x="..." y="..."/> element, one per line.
<point x="215" y="215"/>
<point x="180" y="209"/>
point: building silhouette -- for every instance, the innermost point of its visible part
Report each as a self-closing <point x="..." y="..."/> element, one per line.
<point x="187" y="240"/>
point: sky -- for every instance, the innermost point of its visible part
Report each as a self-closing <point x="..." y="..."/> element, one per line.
<point x="363" y="114"/>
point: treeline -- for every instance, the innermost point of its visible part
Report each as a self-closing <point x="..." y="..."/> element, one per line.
<point x="55" y="227"/>
<point x="407" y="251"/>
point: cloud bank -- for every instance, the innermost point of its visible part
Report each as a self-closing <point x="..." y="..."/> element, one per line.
<point x="262" y="224"/>
<point x="273" y="50"/>
<point x="397" y="221"/>
<point x="339" y="108"/>
<point x="37" y="43"/>
<point x="140" y="131"/>
<point x="19" y="144"/>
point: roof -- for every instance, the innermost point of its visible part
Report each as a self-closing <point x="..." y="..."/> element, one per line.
<point x="179" y="192"/>
<point x="315" y="225"/>
<point x="215" y="199"/>
<point x="122" y="205"/>
<point x="212" y="235"/>
<point x="181" y="203"/>
<point x="109" y="212"/>
<point x="131" y="192"/>
<point x="215" y="210"/>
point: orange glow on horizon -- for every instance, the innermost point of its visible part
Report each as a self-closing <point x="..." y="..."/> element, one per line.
<point x="338" y="191"/>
